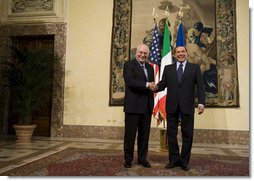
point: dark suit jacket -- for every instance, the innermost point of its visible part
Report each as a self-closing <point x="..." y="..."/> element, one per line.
<point x="138" y="98"/>
<point x="182" y="93"/>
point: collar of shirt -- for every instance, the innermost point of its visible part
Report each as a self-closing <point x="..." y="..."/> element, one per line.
<point x="178" y="63"/>
<point x="142" y="64"/>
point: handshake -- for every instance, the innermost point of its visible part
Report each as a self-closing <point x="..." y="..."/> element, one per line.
<point x="152" y="86"/>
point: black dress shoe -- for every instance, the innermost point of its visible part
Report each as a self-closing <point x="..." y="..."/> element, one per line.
<point x="185" y="167"/>
<point x="145" y="164"/>
<point x="172" y="165"/>
<point x="127" y="165"/>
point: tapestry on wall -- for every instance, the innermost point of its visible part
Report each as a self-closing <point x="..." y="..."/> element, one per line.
<point x="209" y="35"/>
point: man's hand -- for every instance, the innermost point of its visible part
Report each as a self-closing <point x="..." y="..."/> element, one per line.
<point x="151" y="85"/>
<point x="201" y="108"/>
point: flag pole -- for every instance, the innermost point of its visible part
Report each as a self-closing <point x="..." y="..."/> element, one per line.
<point x="164" y="126"/>
<point x="180" y="39"/>
<point x="167" y="14"/>
<point x="155" y="58"/>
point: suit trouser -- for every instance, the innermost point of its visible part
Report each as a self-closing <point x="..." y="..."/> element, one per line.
<point x="133" y="123"/>
<point x="187" y="126"/>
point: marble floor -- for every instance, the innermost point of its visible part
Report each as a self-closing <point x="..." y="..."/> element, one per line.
<point x="14" y="154"/>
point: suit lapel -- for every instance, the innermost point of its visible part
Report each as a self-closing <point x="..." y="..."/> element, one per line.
<point x="149" y="72"/>
<point x="140" y="68"/>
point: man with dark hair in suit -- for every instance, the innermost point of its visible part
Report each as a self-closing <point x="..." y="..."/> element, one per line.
<point x="138" y="105"/>
<point x="181" y="78"/>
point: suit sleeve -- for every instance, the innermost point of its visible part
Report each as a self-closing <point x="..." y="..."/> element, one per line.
<point x="200" y="86"/>
<point x="163" y="83"/>
<point x="130" y="79"/>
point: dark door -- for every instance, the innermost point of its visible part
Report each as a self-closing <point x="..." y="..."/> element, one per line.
<point x="41" y="118"/>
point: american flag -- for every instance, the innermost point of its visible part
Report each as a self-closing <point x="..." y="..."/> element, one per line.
<point x="155" y="53"/>
<point x="155" y="60"/>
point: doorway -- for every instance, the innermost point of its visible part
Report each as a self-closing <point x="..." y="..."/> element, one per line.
<point x="41" y="118"/>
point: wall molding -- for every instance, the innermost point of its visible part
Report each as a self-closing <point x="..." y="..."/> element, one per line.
<point x="19" y="11"/>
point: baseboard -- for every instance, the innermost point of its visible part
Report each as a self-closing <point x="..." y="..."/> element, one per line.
<point x="200" y="135"/>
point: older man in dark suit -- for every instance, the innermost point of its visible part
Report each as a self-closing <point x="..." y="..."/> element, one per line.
<point x="138" y="105"/>
<point x="181" y="78"/>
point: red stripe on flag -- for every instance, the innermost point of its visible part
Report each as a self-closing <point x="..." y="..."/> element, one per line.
<point x="162" y="107"/>
<point x="156" y="80"/>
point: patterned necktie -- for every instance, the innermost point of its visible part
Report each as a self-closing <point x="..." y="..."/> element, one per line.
<point x="180" y="72"/>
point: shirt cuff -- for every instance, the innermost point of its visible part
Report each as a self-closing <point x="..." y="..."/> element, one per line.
<point x="201" y="105"/>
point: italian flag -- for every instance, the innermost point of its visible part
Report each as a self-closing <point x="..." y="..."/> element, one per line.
<point x="166" y="60"/>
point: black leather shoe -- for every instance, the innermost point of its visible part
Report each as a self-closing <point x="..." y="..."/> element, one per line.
<point x="172" y="165"/>
<point x="127" y="165"/>
<point x="185" y="167"/>
<point x="145" y="164"/>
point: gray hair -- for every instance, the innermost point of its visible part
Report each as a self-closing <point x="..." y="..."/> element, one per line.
<point x="140" y="45"/>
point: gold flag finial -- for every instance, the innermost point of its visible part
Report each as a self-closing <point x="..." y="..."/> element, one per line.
<point x="155" y="16"/>
<point x="167" y="12"/>
<point x="180" y="13"/>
